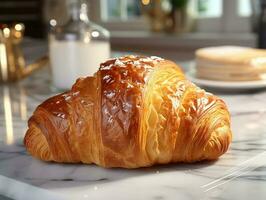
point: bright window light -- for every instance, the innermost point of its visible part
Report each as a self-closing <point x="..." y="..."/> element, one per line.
<point x="244" y="8"/>
<point x="209" y="8"/>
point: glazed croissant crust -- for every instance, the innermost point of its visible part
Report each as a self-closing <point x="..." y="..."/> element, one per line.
<point x="134" y="112"/>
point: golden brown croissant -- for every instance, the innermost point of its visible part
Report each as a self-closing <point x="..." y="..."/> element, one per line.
<point x="135" y="112"/>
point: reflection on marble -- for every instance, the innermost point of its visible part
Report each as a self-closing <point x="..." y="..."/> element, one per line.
<point x="239" y="174"/>
<point x="8" y="115"/>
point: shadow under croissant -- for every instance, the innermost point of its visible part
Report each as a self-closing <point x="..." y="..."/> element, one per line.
<point x="79" y="175"/>
<point x="55" y="175"/>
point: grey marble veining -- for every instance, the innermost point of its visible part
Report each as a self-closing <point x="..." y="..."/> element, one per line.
<point x="239" y="174"/>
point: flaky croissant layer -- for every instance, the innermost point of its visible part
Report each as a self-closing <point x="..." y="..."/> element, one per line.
<point x="134" y="112"/>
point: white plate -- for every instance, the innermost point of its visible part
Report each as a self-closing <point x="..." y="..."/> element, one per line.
<point x="226" y="85"/>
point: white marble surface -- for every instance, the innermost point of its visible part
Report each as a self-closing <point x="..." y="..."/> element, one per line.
<point x="239" y="174"/>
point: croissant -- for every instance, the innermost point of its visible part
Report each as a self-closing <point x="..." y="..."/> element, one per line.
<point x="134" y="112"/>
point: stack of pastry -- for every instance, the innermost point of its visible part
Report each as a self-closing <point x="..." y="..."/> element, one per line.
<point x="231" y="63"/>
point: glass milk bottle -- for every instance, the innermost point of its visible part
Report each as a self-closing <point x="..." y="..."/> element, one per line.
<point x="77" y="48"/>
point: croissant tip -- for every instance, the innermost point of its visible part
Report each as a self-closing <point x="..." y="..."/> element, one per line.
<point x="36" y="144"/>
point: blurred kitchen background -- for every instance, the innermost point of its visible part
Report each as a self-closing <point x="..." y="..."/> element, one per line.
<point x="32" y="31"/>
<point x="171" y="28"/>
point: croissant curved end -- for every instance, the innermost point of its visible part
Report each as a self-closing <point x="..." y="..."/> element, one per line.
<point x="36" y="143"/>
<point x="218" y="144"/>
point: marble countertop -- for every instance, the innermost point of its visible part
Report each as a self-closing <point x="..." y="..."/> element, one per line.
<point x="239" y="174"/>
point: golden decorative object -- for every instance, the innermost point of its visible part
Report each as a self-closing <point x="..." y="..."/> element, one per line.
<point x="12" y="61"/>
<point x="158" y="12"/>
<point x="168" y="15"/>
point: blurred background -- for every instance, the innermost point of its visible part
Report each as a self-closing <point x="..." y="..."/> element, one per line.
<point x="178" y="26"/>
